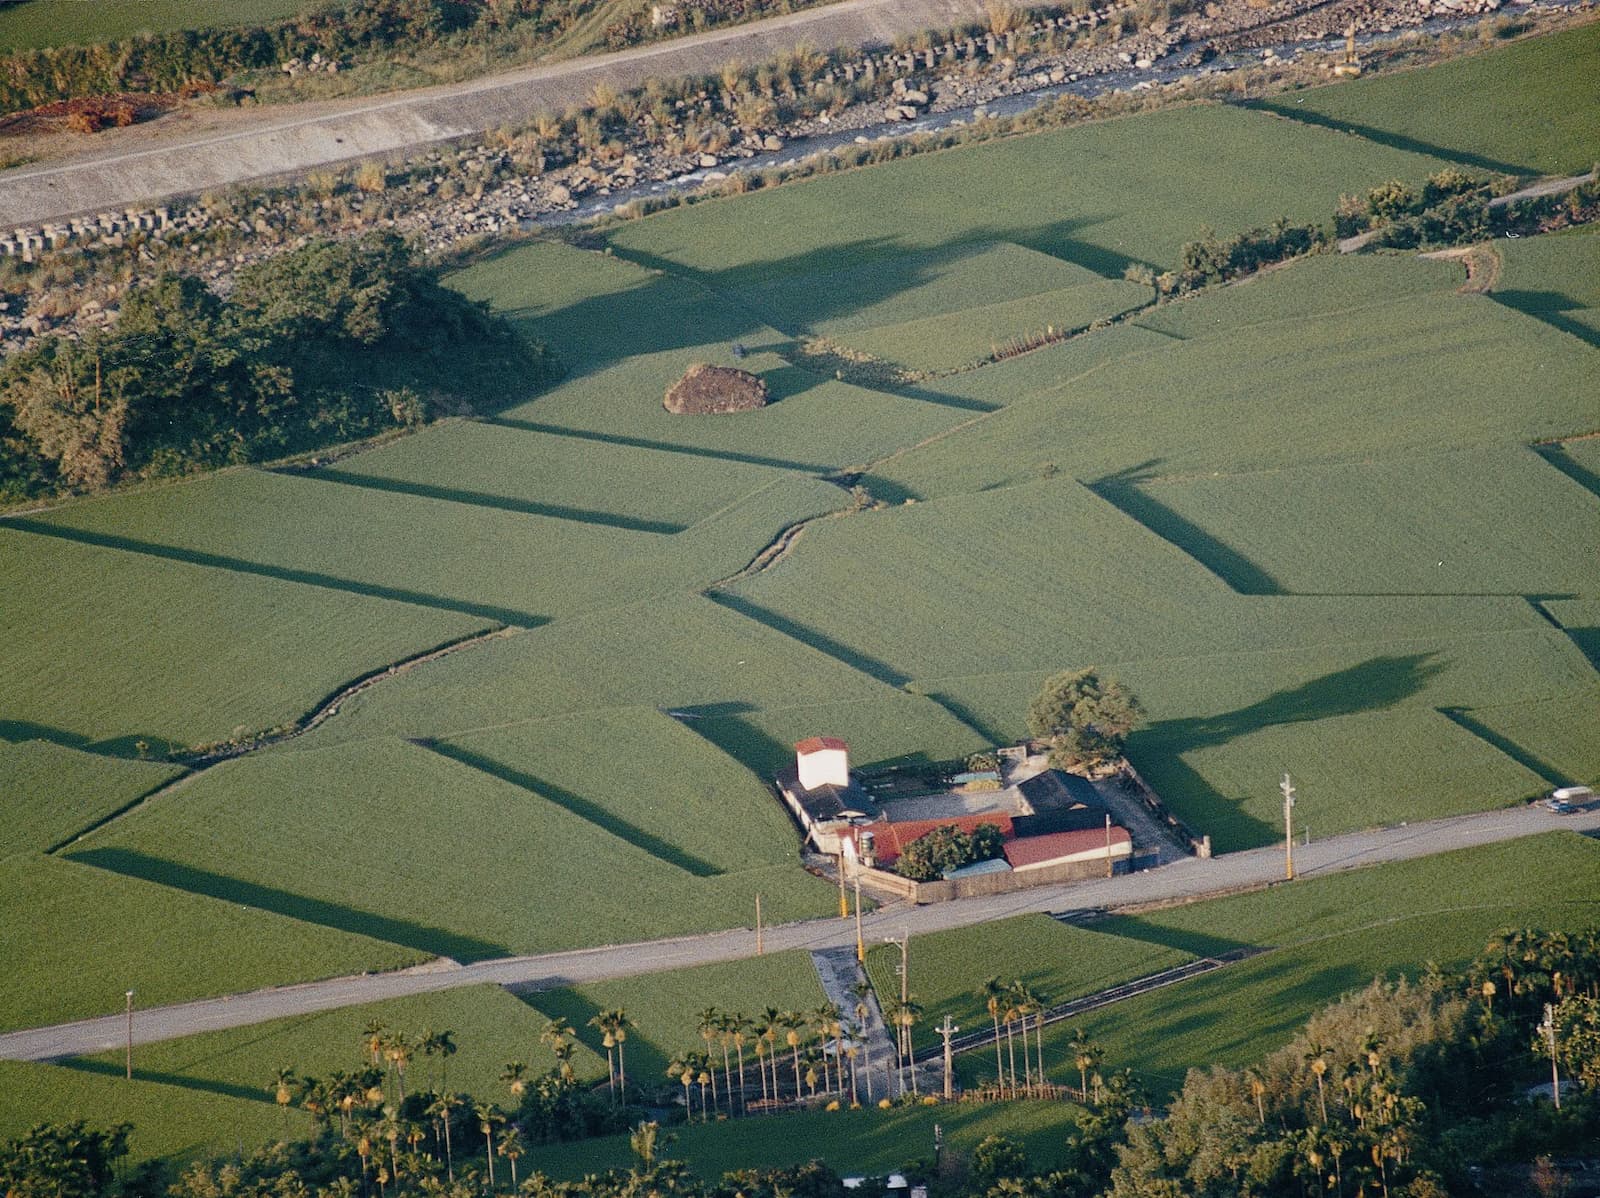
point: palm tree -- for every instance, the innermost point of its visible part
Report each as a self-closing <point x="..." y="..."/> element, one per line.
<point x="710" y="1022"/>
<point x="738" y="1029"/>
<point x="1086" y="1055"/>
<point x="682" y="1068"/>
<point x="1008" y="1012"/>
<point x="991" y="992"/>
<point x="602" y="1022"/>
<point x="555" y="1034"/>
<point x="510" y="1147"/>
<point x="832" y="1021"/>
<point x="488" y="1118"/>
<point x="374" y="1040"/>
<point x="314" y="1101"/>
<point x="282" y="1090"/>
<point x="442" y="1108"/>
<point x="1317" y="1058"/>
<point x="791" y="1024"/>
<point x="643" y="1142"/>
<point x="515" y="1077"/>
<point x="767" y="1028"/>
<point x="906" y="1015"/>
<point x="621" y="1024"/>
<point x="399" y="1051"/>
<point x="851" y="1051"/>
<point x="443" y="1045"/>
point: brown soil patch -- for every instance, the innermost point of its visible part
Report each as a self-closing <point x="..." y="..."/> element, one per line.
<point x="707" y="390"/>
<point x="1482" y="264"/>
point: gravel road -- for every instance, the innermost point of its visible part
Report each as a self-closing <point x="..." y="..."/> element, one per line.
<point x="1184" y="879"/>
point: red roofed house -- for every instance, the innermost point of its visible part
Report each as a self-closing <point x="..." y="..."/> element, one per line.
<point x="1065" y="848"/>
<point x="890" y="839"/>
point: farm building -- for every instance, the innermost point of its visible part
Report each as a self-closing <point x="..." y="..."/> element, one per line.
<point x="820" y="792"/>
<point x="1069" y="848"/>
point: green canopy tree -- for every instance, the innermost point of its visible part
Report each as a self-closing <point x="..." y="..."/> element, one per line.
<point x="1084" y="718"/>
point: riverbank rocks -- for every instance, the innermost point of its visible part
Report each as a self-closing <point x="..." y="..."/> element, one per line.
<point x="706" y="390"/>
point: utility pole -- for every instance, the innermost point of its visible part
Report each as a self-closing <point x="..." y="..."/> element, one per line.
<point x="129" y="997"/>
<point x="861" y="948"/>
<point x="947" y="1029"/>
<point x="758" y="923"/>
<point x="1548" y="1027"/>
<point x="1288" y="828"/>
<point x="902" y="1030"/>
<point x="844" y="905"/>
<point x="1108" y="845"/>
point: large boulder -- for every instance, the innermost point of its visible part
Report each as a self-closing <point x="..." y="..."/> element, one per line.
<point x="709" y="389"/>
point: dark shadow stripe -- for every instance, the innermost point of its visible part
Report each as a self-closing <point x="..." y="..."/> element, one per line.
<point x="437" y="942"/>
<point x="576" y="804"/>
<point x="1382" y="137"/>
<point x="217" y="561"/>
<point x="794" y="630"/>
<point x="503" y="503"/>
<point x="694" y="451"/>
<point x="204" y="1084"/>
<point x="1227" y="563"/>
<point x="1557" y="456"/>
<point x="969" y="719"/>
<point x="1496" y="740"/>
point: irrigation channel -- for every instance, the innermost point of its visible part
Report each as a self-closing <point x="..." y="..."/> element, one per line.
<point x="798" y="149"/>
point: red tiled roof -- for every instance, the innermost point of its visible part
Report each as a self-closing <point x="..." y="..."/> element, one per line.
<point x="890" y="840"/>
<point x="816" y="744"/>
<point x="1036" y="850"/>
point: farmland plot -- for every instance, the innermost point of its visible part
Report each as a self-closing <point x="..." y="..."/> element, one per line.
<point x="1557" y="738"/>
<point x="679" y="653"/>
<point x="1043" y="575"/>
<point x="397" y="842"/>
<point x="704" y="813"/>
<point x="107" y="647"/>
<point x="1101" y="195"/>
<point x="75" y="938"/>
<point x="897" y="288"/>
<point x="1486" y="521"/>
<point x="39" y="23"/>
<point x="939" y="343"/>
<point x="1419" y="374"/>
<point x="456" y="554"/>
<point x="1511" y="109"/>
<point x="51" y="792"/>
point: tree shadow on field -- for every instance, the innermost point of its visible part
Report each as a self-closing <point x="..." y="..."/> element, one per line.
<point x="1123" y="492"/>
<point x="1464" y="719"/>
<point x="1557" y="456"/>
<point x="1372" y="685"/>
<point x="312" y="578"/>
<point x="1550" y="307"/>
<point x="1384" y="137"/>
<point x="644" y="1059"/>
<point x="594" y="813"/>
<point x="1195" y="943"/>
<point x="438" y="942"/>
<point x="203" y="1084"/>
<point x="125" y="746"/>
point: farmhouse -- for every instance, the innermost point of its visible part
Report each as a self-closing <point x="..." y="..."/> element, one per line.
<point x="1055" y="826"/>
<point x="821" y="794"/>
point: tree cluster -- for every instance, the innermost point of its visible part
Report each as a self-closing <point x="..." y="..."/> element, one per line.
<point x="930" y="856"/>
<point x="328" y="343"/>
<point x="1210" y="259"/>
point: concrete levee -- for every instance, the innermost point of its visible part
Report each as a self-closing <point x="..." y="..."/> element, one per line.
<point x="262" y="144"/>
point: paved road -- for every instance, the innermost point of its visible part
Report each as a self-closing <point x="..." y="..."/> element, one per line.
<point x="1188" y="878"/>
<point x="169" y="158"/>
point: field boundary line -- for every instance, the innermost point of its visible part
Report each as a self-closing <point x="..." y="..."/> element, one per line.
<point x="197" y="764"/>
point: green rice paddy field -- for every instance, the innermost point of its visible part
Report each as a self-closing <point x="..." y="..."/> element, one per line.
<point x="38" y="23"/>
<point x="1339" y="520"/>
